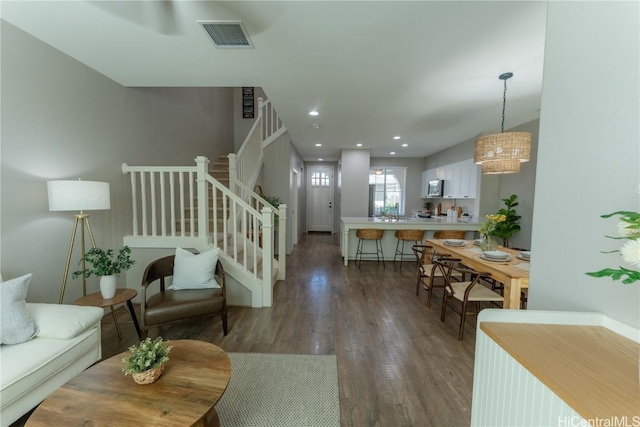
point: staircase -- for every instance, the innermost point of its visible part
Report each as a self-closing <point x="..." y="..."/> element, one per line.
<point x="168" y="210"/>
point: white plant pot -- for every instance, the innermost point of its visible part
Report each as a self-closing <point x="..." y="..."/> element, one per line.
<point x="108" y="286"/>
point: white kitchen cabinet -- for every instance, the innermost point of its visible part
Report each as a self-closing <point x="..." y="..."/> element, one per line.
<point x="449" y="182"/>
<point x="460" y="180"/>
<point x="467" y="180"/>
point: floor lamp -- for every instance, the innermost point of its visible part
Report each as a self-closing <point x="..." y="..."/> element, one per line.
<point x="78" y="196"/>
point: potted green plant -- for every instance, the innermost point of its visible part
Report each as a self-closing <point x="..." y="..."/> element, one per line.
<point x="509" y="226"/>
<point x="429" y="207"/>
<point x="275" y="202"/>
<point x="146" y="360"/>
<point x="105" y="266"/>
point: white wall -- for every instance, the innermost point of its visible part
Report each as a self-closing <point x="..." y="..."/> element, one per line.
<point x="354" y="169"/>
<point x="62" y="120"/>
<point x="588" y="158"/>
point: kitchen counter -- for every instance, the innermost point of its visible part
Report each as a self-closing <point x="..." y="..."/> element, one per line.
<point x="349" y="225"/>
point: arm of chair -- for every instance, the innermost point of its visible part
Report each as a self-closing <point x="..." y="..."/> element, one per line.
<point x="155" y="272"/>
<point x="221" y="279"/>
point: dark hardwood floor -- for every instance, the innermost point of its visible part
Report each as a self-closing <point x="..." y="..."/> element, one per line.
<point x="398" y="365"/>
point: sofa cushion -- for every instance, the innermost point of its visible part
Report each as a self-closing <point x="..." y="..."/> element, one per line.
<point x="63" y="321"/>
<point x="191" y="271"/>
<point x="15" y="324"/>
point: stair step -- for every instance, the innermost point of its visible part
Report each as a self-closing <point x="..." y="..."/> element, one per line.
<point x="221" y="166"/>
<point x="222" y="159"/>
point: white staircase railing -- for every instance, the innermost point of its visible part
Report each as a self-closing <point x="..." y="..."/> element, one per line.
<point x="245" y="165"/>
<point x="168" y="212"/>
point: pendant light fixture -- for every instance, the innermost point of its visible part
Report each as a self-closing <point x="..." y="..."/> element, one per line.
<point x="502" y="153"/>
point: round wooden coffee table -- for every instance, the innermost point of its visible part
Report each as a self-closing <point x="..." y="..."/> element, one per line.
<point x="194" y="379"/>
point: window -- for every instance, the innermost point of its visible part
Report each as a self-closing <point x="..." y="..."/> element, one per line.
<point x="388" y="190"/>
<point x="319" y="179"/>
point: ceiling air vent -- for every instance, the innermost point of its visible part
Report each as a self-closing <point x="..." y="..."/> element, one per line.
<point x="227" y="34"/>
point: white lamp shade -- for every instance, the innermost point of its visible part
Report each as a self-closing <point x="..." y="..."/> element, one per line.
<point x="78" y="195"/>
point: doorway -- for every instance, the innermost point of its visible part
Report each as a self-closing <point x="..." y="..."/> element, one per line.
<point x="320" y="198"/>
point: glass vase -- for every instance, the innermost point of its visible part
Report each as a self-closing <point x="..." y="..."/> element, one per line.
<point x="488" y="243"/>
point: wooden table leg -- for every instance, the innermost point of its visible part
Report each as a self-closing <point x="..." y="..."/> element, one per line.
<point x="512" y="294"/>
<point x="135" y="319"/>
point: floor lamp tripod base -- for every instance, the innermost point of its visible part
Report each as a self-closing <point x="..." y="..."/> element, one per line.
<point x="82" y="220"/>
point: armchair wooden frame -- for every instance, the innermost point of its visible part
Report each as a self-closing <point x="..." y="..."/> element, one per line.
<point x="157" y="272"/>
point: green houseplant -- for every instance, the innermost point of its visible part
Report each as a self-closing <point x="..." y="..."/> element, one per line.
<point x="106" y="266"/>
<point x="275" y="202"/>
<point x="509" y="226"/>
<point x="147" y="359"/>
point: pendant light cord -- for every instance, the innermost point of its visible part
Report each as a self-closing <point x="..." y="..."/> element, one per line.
<point x="504" y="104"/>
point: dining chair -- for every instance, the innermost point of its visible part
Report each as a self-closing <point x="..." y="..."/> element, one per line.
<point x="464" y="292"/>
<point x="427" y="271"/>
<point x="170" y="306"/>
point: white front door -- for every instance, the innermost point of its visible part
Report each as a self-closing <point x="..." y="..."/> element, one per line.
<point x="320" y="198"/>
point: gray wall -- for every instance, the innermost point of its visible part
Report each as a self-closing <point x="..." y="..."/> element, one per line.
<point x="354" y="179"/>
<point x="589" y="157"/>
<point x="413" y="178"/>
<point x="280" y="158"/>
<point x="62" y="120"/>
<point x="494" y="188"/>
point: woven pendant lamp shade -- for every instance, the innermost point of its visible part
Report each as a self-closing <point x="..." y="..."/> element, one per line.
<point x="503" y="146"/>
<point x="492" y="167"/>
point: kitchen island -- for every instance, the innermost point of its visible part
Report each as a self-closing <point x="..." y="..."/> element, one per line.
<point x="349" y="225"/>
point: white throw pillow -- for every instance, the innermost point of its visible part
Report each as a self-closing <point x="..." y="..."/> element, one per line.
<point x="15" y="324"/>
<point x="191" y="271"/>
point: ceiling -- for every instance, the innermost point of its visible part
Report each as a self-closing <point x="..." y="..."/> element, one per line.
<point x="424" y="70"/>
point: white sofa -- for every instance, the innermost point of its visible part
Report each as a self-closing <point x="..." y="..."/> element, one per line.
<point x="68" y="342"/>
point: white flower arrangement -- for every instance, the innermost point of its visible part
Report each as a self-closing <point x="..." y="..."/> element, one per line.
<point x="629" y="229"/>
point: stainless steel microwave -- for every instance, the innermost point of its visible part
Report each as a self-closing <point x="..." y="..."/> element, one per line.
<point x="435" y="188"/>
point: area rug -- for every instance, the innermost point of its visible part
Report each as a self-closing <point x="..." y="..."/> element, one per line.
<point x="280" y="390"/>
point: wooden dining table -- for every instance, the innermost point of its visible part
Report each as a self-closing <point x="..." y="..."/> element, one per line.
<point x="509" y="273"/>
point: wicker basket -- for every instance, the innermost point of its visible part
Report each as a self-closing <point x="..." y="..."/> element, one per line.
<point x="149" y="376"/>
<point x="369" y="234"/>
<point x="449" y="234"/>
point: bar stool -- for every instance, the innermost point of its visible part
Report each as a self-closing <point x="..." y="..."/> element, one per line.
<point x="450" y="234"/>
<point x="369" y="234"/>
<point x="414" y="236"/>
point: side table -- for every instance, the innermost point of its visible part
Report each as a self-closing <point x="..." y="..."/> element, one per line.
<point x="122" y="296"/>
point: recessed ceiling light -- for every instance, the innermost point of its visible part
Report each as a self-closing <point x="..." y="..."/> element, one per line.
<point x="393" y="152"/>
<point x="405" y="145"/>
<point x="318" y="145"/>
<point x="396" y="137"/>
<point x="320" y="160"/>
<point x="358" y="145"/>
<point x="313" y="113"/>
<point x="315" y="126"/>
